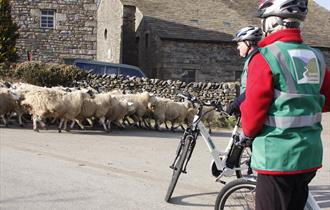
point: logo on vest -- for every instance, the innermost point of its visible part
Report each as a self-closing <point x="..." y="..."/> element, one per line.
<point x="306" y="66"/>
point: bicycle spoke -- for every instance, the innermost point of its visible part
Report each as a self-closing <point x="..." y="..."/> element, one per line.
<point x="241" y="199"/>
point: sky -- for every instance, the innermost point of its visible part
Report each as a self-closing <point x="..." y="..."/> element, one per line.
<point x="324" y="3"/>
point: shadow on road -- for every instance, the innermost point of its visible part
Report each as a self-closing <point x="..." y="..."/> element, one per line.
<point x="180" y="200"/>
<point x="130" y="131"/>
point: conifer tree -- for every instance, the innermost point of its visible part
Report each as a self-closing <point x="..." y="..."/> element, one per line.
<point x="8" y="34"/>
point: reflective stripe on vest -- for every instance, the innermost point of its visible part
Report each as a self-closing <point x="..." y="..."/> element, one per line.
<point x="322" y="65"/>
<point x="293" y="121"/>
<point x="285" y="95"/>
<point x="281" y="60"/>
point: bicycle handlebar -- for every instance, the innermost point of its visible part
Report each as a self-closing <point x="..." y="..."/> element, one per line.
<point x="217" y="106"/>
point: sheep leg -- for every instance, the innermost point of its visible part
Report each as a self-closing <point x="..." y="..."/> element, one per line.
<point x="173" y="128"/>
<point x="72" y="124"/>
<point x="109" y="125"/>
<point x="156" y="127"/>
<point x="127" y="120"/>
<point x="66" y="126"/>
<point x="60" y="125"/>
<point x="119" y="125"/>
<point x="90" y="122"/>
<point x="53" y="120"/>
<point x="166" y="125"/>
<point x="35" y="121"/>
<point x="147" y="122"/>
<point x="136" y="120"/>
<point x="20" y="122"/>
<point x="182" y="127"/>
<point x="4" y="120"/>
<point x="79" y="122"/>
<point x="209" y="124"/>
<point x="43" y="125"/>
<point x="102" y="121"/>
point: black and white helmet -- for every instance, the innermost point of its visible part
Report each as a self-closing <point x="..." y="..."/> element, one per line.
<point x="296" y="9"/>
<point x="249" y="33"/>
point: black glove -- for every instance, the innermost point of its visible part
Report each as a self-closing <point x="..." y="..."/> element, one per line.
<point x="233" y="107"/>
<point x="244" y="141"/>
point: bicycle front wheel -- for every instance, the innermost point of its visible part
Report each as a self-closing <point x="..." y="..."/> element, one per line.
<point x="237" y="195"/>
<point x="178" y="168"/>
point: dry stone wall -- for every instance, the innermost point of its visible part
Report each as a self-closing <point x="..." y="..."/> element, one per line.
<point x="206" y="91"/>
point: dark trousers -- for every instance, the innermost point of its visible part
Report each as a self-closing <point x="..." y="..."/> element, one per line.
<point x="282" y="192"/>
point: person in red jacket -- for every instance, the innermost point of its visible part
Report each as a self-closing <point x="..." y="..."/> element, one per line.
<point x="286" y="91"/>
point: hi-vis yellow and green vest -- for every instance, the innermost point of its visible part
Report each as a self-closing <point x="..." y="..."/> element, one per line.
<point x="290" y="141"/>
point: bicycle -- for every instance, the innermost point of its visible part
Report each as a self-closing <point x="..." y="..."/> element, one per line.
<point x="234" y="159"/>
<point x="240" y="194"/>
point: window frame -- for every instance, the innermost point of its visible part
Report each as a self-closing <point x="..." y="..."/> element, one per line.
<point x="48" y="18"/>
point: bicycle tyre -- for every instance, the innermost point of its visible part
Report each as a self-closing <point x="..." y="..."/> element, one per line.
<point x="178" y="169"/>
<point x="240" y="186"/>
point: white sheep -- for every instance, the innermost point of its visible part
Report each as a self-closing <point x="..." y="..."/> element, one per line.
<point x="8" y="103"/>
<point x="117" y="112"/>
<point x="51" y="103"/>
<point x="97" y="107"/>
<point x="139" y="105"/>
<point x="168" y="110"/>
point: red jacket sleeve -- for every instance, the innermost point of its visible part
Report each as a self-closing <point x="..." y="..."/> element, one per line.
<point x="325" y="90"/>
<point x="259" y="96"/>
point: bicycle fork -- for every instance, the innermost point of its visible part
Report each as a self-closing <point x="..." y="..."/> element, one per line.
<point x="183" y="141"/>
<point x="190" y="151"/>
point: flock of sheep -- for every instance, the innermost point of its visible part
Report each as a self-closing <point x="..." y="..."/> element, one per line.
<point x="63" y="105"/>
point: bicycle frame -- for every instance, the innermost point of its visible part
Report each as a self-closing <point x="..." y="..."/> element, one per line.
<point x="220" y="158"/>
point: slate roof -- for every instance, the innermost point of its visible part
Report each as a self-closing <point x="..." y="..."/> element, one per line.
<point x="218" y="20"/>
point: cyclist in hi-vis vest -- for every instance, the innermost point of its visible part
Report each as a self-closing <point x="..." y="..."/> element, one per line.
<point x="247" y="39"/>
<point x="286" y="91"/>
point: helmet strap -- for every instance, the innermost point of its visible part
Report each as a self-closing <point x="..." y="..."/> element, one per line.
<point x="291" y="24"/>
<point x="248" y="48"/>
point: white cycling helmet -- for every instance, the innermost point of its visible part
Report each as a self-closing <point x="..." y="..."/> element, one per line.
<point x="249" y="33"/>
<point x="296" y="9"/>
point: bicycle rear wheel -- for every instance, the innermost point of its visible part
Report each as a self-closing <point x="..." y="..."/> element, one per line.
<point x="237" y="195"/>
<point x="178" y="168"/>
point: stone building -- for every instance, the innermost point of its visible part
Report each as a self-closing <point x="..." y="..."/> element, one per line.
<point x="188" y="40"/>
<point x="172" y="39"/>
<point x="56" y="31"/>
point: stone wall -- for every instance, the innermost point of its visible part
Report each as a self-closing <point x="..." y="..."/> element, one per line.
<point x="109" y="31"/>
<point x="74" y="34"/>
<point x="213" y="62"/>
<point x="167" y="59"/>
<point x="206" y="91"/>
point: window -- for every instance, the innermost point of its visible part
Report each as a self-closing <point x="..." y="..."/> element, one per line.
<point x="47" y="18"/>
<point x="105" y="34"/>
<point x="188" y="75"/>
<point x="238" y="75"/>
<point x="146" y="40"/>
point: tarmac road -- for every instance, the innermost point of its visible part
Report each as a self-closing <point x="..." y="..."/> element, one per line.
<point x="91" y="170"/>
